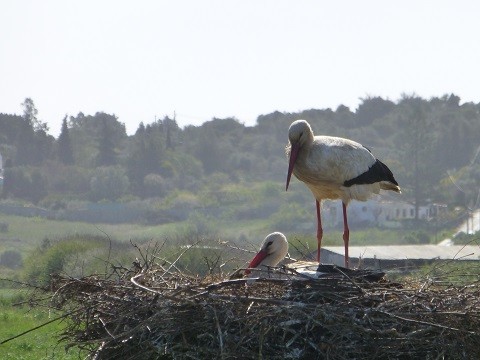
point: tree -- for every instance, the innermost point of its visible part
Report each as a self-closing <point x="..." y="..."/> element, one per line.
<point x="373" y="108"/>
<point x="8" y="179"/>
<point x="209" y="151"/>
<point x="145" y="155"/>
<point x="135" y="163"/>
<point x="87" y="132"/>
<point x="32" y="142"/>
<point x="64" y="145"/>
<point x="11" y="259"/>
<point x="344" y="117"/>
<point x="171" y="130"/>
<point x="109" y="183"/>
<point x="30" y="113"/>
<point x="417" y="144"/>
<point x="25" y="143"/>
<point x="25" y="183"/>
<point x="38" y="188"/>
<point x="106" y="147"/>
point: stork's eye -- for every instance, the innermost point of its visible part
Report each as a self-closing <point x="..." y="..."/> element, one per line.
<point x="269" y="243"/>
<point x="301" y="135"/>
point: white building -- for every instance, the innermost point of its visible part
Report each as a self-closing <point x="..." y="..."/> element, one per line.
<point x="377" y="212"/>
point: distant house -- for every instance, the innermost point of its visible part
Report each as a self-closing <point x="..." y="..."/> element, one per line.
<point x="385" y="213"/>
<point x="405" y="210"/>
<point x="358" y="212"/>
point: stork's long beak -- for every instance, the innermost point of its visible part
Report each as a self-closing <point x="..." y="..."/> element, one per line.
<point x="262" y="254"/>
<point x="293" y="158"/>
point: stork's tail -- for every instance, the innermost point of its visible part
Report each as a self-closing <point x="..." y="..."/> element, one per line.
<point x="387" y="185"/>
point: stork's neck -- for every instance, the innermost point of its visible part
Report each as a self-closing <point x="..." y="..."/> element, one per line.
<point x="305" y="149"/>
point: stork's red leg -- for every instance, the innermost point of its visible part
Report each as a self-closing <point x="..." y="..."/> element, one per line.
<point x="319" y="230"/>
<point x="346" y="233"/>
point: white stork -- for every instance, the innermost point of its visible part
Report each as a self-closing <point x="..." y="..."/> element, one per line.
<point x="273" y="250"/>
<point x="335" y="168"/>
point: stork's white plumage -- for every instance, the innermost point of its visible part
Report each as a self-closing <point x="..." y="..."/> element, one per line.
<point x="335" y="168"/>
<point x="273" y="250"/>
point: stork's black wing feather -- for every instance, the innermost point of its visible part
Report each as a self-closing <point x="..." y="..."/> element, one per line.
<point x="376" y="173"/>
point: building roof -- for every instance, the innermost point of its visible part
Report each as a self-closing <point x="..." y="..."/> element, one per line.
<point x="402" y="252"/>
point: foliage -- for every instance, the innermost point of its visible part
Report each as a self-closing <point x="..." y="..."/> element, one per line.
<point x="109" y="182"/>
<point x="86" y="135"/>
<point x="50" y="259"/>
<point x="468" y="239"/>
<point x="11" y="259"/>
<point x="74" y="255"/>
<point x="25" y="183"/>
<point x="201" y="224"/>
<point x="154" y="185"/>
<point x="3" y="227"/>
<point x="64" y="145"/>
<point x="372" y="108"/>
<point x="426" y="142"/>
<point x="418" y="237"/>
<point x="106" y="155"/>
<point x="67" y="181"/>
<point x="290" y="217"/>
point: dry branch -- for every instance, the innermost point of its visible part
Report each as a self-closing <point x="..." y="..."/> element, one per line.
<point x="157" y="312"/>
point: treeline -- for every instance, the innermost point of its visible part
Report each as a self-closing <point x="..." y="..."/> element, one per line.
<point x="431" y="145"/>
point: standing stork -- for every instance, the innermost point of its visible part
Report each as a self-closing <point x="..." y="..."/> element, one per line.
<point x="335" y="168"/>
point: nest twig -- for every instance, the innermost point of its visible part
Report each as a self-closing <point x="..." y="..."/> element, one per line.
<point x="157" y="312"/>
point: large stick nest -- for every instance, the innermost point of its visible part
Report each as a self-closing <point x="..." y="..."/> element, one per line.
<point x="153" y="311"/>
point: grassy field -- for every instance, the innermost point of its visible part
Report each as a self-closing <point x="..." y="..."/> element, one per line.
<point x="36" y="345"/>
<point x="25" y="233"/>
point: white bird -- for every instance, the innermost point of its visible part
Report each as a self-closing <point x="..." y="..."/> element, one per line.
<point x="335" y="168"/>
<point x="273" y="250"/>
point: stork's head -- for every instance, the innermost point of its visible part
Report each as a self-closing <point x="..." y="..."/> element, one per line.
<point x="299" y="133"/>
<point x="274" y="249"/>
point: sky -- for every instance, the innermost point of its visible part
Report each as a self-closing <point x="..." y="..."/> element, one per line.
<point x="144" y="60"/>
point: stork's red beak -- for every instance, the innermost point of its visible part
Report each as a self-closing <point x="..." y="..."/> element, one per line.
<point x="293" y="158"/>
<point x="262" y="254"/>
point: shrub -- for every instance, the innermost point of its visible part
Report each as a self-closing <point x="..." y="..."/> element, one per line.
<point x="11" y="259"/>
<point x="110" y="183"/>
<point x="201" y="224"/>
<point x="271" y="189"/>
<point x="290" y="217"/>
<point x="51" y="258"/>
<point x="24" y="182"/>
<point x="154" y="185"/>
<point x="3" y="227"/>
<point x="417" y="237"/>
<point x="75" y="255"/>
